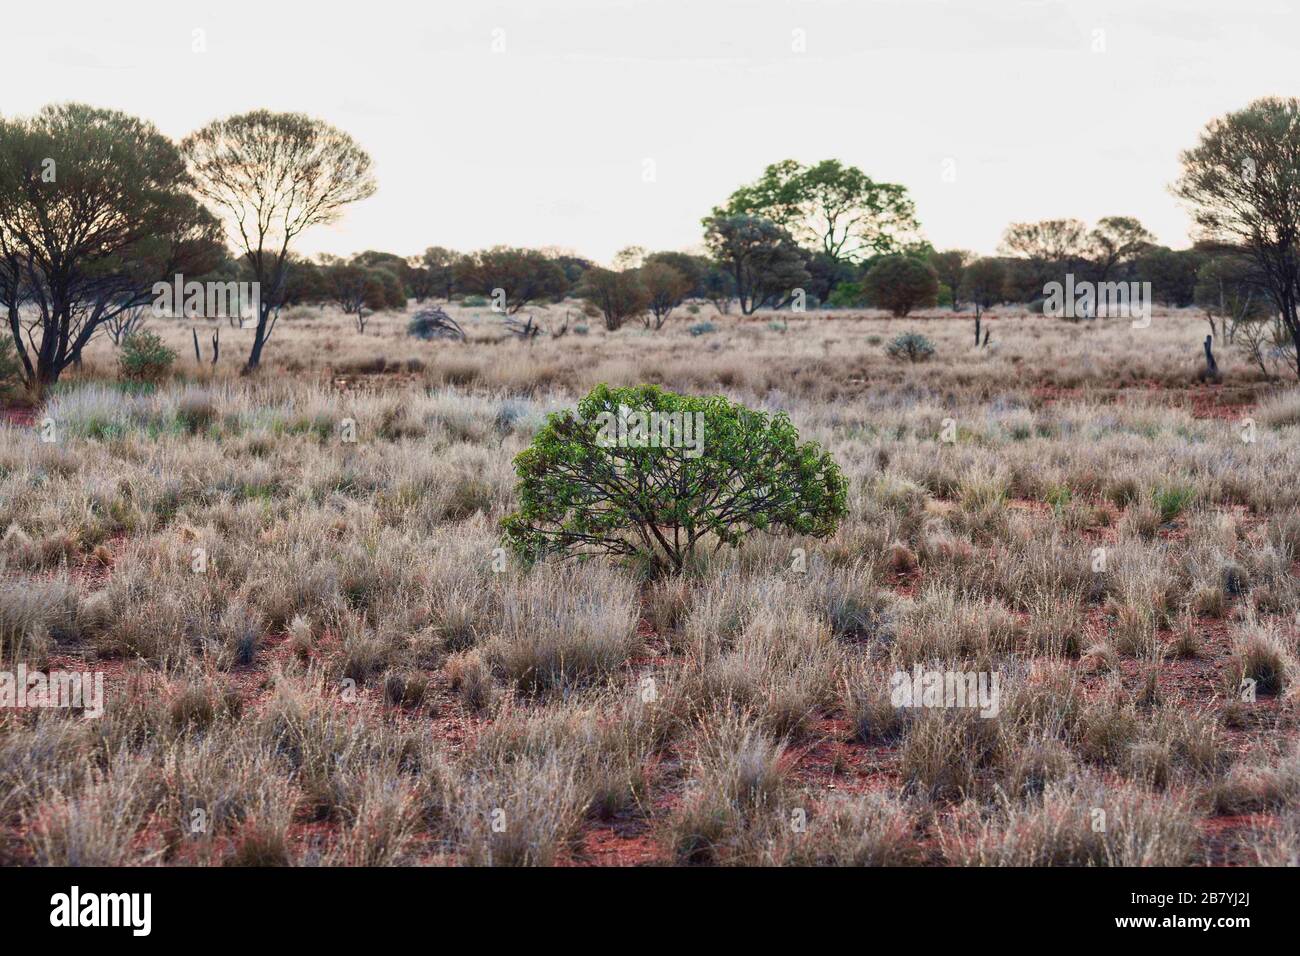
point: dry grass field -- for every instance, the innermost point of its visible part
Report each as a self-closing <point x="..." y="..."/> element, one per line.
<point x="355" y="674"/>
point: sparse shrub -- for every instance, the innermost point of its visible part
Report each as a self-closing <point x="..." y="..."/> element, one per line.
<point x="565" y="627"/>
<point x="875" y="718"/>
<point x="1134" y="633"/>
<point x="911" y="346"/>
<point x="701" y="328"/>
<point x="1107" y="729"/>
<point x="383" y="824"/>
<point x="668" y="603"/>
<point x="192" y="708"/>
<point x="35" y="617"/>
<point x="98" y="824"/>
<point x="944" y="751"/>
<point x="1259" y="785"/>
<point x="1187" y="642"/>
<point x="738" y="778"/>
<point x="1037" y="764"/>
<point x="854" y="610"/>
<point x="541" y="797"/>
<point x="144" y="358"/>
<point x="874" y="829"/>
<point x="586" y="487"/>
<point x="262" y="841"/>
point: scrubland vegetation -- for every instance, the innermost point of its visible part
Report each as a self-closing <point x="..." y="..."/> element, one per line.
<point x="366" y="590"/>
<point x="360" y="676"/>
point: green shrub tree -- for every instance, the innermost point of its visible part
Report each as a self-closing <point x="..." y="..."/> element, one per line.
<point x="593" y="483"/>
<point x="617" y="297"/>
<point x="144" y="358"/>
<point x="830" y="208"/>
<point x="900" y="284"/>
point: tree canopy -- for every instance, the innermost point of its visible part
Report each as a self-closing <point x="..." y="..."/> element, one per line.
<point x="829" y="207"/>
<point x="94" y="209"/>
<point x="271" y="176"/>
<point x="522" y="275"/>
<point x="1242" y="181"/>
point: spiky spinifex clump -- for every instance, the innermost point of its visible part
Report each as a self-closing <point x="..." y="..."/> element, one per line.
<point x="434" y="324"/>
<point x="912" y="346"/>
<point x="641" y="471"/>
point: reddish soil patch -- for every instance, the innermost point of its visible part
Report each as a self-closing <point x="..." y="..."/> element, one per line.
<point x="1224" y="402"/>
<point x="836" y="761"/>
<point x="626" y="843"/>
<point x="18" y="417"/>
<point x="1227" y="839"/>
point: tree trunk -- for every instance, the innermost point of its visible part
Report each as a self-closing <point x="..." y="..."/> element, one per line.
<point x="1211" y="366"/>
<point x="47" y="375"/>
<point x="259" y="338"/>
<point x="1292" y="323"/>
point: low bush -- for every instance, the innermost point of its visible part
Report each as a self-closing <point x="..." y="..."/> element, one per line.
<point x="648" y="473"/>
<point x="144" y="358"/>
<point x="911" y="346"/>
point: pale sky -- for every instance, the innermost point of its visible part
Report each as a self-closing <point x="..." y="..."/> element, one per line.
<point x="1035" y="108"/>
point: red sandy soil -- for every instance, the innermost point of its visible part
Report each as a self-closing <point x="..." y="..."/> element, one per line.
<point x="18" y="417"/>
<point x="1225" y="402"/>
<point x="618" y="844"/>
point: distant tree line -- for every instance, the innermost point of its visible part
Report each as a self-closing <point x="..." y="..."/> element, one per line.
<point x="97" y="206"/>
